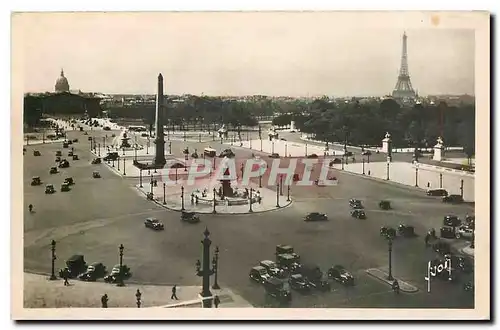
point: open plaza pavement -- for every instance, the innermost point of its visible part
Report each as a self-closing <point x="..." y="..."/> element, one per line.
<point x="98" y="215"/>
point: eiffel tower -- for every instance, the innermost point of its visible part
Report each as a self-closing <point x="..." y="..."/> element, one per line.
<point x="403" y="89"/>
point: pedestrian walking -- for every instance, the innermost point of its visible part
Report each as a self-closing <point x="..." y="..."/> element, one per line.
<point x="369" y="172"/>
<point x="216" y="301"/>
<point x="395" y="286"/>
<point x="428" y="184"/>
<point x="174" y="291"/>
<point x="104" y="301"/>
<point x="30" y="207"/>
<point x="65" y="276"/>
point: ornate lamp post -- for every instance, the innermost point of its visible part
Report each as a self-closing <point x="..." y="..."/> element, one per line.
<point x="281" y="185"/>
<point x="215" y="264"/>
<point x="388" y="162"/>
<point x="214" y="202"/>
<point x="440" y="180"/>
<point x="261" y="144"/>
<point x="147" y="147"/>
<point x="462" y="188"/>
<point x="182" y="198"/>
<point x="118" y="163"/>
<point x="306" y="149"/>
<point x="164" y="193"/>
<point x="53" y="260"/>
<point x="204" y="271"/>
<point x="151" y="183"/>
<point x="363" y="160"/>
<point x="260" y="181"/>
<point x="288" y="194"/>
<point x="416" y="175"/>
<point x="286" y="151"/>
<point x="389" y="236"/>
<point x="138" y="296"/>
<point x="99" y="150"/>
<point x="170" y="147"/>
<point x="120" y="274"/>
<point x="250" y="199"/>
<point x="104" y="142"/>
<point x="124" y="167"/>
<point x="278" y="194"/>
<point x="140" y="178"/>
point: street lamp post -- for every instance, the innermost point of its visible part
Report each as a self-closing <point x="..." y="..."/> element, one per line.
<point x="278" y="194"/>
<point x="261" y="144"/>
<point x="272" y="147"/>
<point x="260" y="181"/>
<point x="215" y="263"/>
<point x="342" y="162"/>
<point x="440" y="180"/>
<point x="390" y="278"/>
<point x="99" y="150"/>
<point x="164" y="193"/>
<point x="288" y="194"/>
<point x="306" y="149"/>
<point x="118" y="163"/>
<point x="176" y="175"/>
<point x="363" y="160"/>
<point x="214" y="202"/>
<point x="416" y="176"/>
<point x="147" y="147"/>
<point x="120" y="274"/>
<point x="170" y="147"/>
<point x="281" y="185"/>
<point x="124" y="167"/>
<point x="462" y="188"/>
<point x="387" y="178"/>
<point x="53" y="260"/>
<point x="206" y="272"/>
<point x="286" y="151"/>
<point x="151" y="184"/>
<point x="182" y="198"/>
<point x="250" y="199"/>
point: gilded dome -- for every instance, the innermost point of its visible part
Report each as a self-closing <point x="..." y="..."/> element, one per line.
<point x="62" y="84"/>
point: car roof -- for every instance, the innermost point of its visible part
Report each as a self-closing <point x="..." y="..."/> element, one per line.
<point x="152" y="219"/>
<point x="267" y="262"/>
<point x="259" y="268"/>
<point x="286" y="256"/>
<point x="283" y="246"/>
<point x="296" y="276"/>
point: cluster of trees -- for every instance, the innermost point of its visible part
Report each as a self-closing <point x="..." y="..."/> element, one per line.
<point x="366" y="124"/>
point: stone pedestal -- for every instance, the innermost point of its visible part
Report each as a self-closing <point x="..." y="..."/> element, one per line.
<point x="439" y="150"/>
<point x="387" y="146"/>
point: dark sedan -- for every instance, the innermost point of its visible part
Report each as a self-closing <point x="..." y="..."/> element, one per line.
<point x="341" y="275"/>
<point x="316" y="216"/>
<point x="93" y="272"/>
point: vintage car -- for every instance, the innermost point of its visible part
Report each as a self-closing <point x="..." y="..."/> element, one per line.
<point x="111" y="156"/>
<point x="453" y="199"/>
<point x="388" y="232"/>
<point x="286" y="249"/>
<point x="341" y="275"/>
<point x="94" y="271"/>
<point x="190" y="217"/>
<point x="464" y="231"/>
<point x="315" y="277"/>
<point x="114" y="276"/>
<point x="70" y="154"/>
<point x="63" y="163"/>
<point x="437" y="192"/>
<point x="278" y="289"/>
<point x="316" y="216"/>
<point x="75" y="157"/>
<point x="312" y="156"/>
<point x="36" y="181"/>
<point x="451" y="220"/>
<point x="406" y="231"/>
<point x="194" y="155"/>
<point x="144" y="134"/>
<point x="36" y="153"/>
<point x="58" y="159"/>
<point x="226" y="153"/>
<point x="272" y="268"/>
<point x="289" y="263"/>
<point x="89" y="138"/>
<point x="258" y="274"/>
<point x="335" y="161"/>
<point x="470" y="221"/>
<point x="366" y="153"/>
<point x="355" y="203"/>
<point x="65" y="187"/>
<point x="446" y="232"/>
<point x="74" y="266"/>
<point x="443" y="248"/>
<point x="96" y="161"/>
<point x="58" y="153"/>
<point x="75" y="140"/>
<point x="69" y="142"/>
<point x="96" y="175"/>
<point x="274" y="155"/>
<point x="65" y="145"/>
<point x="299" y="283"/>
<point x="106" y="128"/>
<point x="53" y="170"/>
<point x="358" y="214"/>
<point x="384" y="205"/>
<point x="49" y="189"/>
<point x="69" y="180"/>
<point x="153" y="223"/>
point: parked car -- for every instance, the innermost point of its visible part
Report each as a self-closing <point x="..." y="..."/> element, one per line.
<point x="94" y="271"/>
<point x="75" y="157"/>
<point x="388" y="232"/>
<point x="89" y="138"/>
<point x="65" y="145"/>
<point x="443" y="248"/>
<point x="358" y="214"/>
<point x="272" y="268"/>
<point x="64" y="163"/>
<point x="289" y="263"/>
<point x="190" y="217"/>
<point x="96" y="161"/>
<point x="114" y="276"/>
<point x="65" y="187"/>
<point x="406" y="231"/>
<point x="69" y="142"/>
<point x="96" y="175"/>
<point x="299" y="283"/>
<point x="312" y="156"/>
<point x="316" y="216"/>
<point x="58" y="153"/>
<point x="453" y="199"/>
<point x="451" y="220"/>
<point x="70" y="154"/>
<point x="75" y="140"/>
<point x="274" y="155"/>
<point x="53" y="170"/>
<point x="286" y="249"/>
<point x="106" y="128"/>
<point x="36" y="153"/>
<point x="315" y="277"/>
<point x="36" y="181"/>
<point x="49" y="189"/>
<point x="74" y="266"/>
<point x="58" y="159"/>
<point x="111" y="156"/>
<point x="259" y="274"/>
<point x="153" y="223"/>
<point x="384" y="205"/>
<point x="144" y="135"/>
<point x="278" y="289"/>
<point x="446" y="232"/>
<point x="341" y="275"/>
<point x="69" y="180"/>
<point x="470" y="220"/>
<point x="355" y="203"/>
<point x="437" y="192"/>
<point x="464" y="231"/>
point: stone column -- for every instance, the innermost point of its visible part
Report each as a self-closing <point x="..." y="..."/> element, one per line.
<point x="439" y="150"/>
<point x="387" y="146"/>
<point x="159" y="159"/>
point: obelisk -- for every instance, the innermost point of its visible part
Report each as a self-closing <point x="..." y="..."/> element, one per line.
<point x="159" y="160"/>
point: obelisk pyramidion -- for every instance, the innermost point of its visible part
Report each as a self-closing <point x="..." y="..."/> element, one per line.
<point x="159" y="160"/>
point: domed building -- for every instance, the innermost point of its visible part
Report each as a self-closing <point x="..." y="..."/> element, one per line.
<point x="62" y="84"/>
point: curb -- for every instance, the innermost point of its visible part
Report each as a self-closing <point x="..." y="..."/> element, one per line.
<point x="412" y="288"/>
<point x="218" y="213"/>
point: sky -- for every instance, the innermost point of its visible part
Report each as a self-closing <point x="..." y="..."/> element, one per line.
<point x="276" y="54"/>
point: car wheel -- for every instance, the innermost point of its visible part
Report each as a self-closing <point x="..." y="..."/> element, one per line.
<point x="458" y="236"/>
